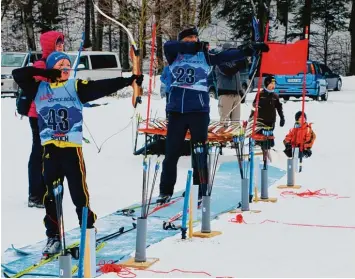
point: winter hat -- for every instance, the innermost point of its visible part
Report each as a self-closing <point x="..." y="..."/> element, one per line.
<point x="187" y="32"/>
<point x="298" y="115"/>
<point x="268" y="80"/>
<point x="54" y="57"/>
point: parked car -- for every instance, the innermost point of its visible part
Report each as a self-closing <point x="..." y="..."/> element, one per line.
<point x="11" y="61"/>
<point x="94" y="65"/>
<point x="334" y="81"/>
<point x="212" y="82"/>
<point x="292" y="85"/>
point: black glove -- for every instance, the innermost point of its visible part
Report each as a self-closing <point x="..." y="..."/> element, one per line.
<point x="51" y="74"/>
<point x="139" y="80"/>
<point x="282" y="122"/>
<point x="307" y="153"/>
<point x="288" y="150"/>
<point x="202" y="46"/>
<point x="251" y="48"/>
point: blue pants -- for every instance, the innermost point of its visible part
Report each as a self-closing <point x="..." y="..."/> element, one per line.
<point x="35" y="177"/>
<point x="178" y="124"/>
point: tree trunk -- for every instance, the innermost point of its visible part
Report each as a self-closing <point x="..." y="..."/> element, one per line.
<point x="205" y="13"/>
<point x="29" y="21"/>
<point x="307" y="21"/>
<point x="87" y="41"/>
<point x="175" y="20"/>
<point x="185" y="12"/>
<point x="142" y="30"/>
<point x="352" y="34"/>
<point x="326" y="34"/>
<point x="93" y="27"/>
<point x="159" y="36"/>
<point x="124" y="43"/>
<point x="100" y="26"/>
<point x="49" y="12"/>
<point x="5" y="6"/>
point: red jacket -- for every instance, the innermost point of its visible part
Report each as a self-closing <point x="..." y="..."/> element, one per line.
<point x="301" y="136"/>
<point x="47" y="41"/>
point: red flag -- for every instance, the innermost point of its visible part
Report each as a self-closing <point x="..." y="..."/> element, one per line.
<point x="285" y="59"/>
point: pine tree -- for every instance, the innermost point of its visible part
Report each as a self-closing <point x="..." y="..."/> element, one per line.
<point x="352" y="35"/>
<point x="331" y="16"/>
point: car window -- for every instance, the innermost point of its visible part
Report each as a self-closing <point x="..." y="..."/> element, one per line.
<point x="82" y="60"/>
<point x="12" y="59"/>
<point x="33" y="58"/>
<point x="318" y="68"/>
<point x="329" y="71"/>
<point x="103" y="61"/>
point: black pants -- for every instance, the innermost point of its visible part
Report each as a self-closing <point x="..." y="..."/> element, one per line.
<point x="36" y="184"/>
<point x="178" y="124"/>
<point x="68" y="162"/>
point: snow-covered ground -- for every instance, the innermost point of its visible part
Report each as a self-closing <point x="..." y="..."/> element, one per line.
<point x="243" y="250"/>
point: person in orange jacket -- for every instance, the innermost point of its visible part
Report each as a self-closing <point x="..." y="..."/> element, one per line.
<point x="302" y="136"/>
<point x="50" y="41"/>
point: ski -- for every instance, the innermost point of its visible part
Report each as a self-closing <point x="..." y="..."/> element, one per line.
<point x="99" y="243"/>
<point x="20" y="251"/>
<point x="131" y="210"/>
<point x="160" y="206"/>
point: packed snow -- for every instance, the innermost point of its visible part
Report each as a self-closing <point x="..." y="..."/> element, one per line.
<point x="273" y="243"/>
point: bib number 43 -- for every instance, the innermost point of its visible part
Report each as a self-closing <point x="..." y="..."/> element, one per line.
<point x="58" y="118"/>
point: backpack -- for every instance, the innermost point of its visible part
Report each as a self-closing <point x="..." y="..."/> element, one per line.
<point x="23" y="102"/>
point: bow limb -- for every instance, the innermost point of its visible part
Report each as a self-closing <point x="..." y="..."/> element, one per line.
<point x="133" y="42"/>
<point x="137" y="90"/>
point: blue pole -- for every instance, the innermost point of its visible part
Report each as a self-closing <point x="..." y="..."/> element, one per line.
<point x="79" y="53"/>
<point x="186" y="205"/>
<point x="251" y="176"/>
<point x="84" y="222"/>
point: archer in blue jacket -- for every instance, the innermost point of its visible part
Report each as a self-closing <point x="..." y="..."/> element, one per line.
<point x="188" y="102"/>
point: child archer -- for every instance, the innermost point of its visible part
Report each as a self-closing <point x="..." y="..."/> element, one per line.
<point x="59" y="104"/>
<point x="302" y="136"/>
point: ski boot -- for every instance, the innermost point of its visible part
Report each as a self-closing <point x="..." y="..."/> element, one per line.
<point x="162" y="199"/>
<point x="35" y="202"/>
<point x="52" y="247"/>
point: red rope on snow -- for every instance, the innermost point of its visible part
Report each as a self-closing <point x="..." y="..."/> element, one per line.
<point x="123" y="272"/>
<point x="309" y="194"/>
<point x="239" y="219"/>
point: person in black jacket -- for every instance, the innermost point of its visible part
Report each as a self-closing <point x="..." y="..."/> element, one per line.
<point x="268" y="104"/>
<point x="59" y="104"/>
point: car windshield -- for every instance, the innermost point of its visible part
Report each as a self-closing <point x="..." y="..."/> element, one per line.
<point x="12" y="59"/>
<point x="72" y="58"/>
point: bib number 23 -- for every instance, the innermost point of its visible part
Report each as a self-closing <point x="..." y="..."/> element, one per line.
<point x="186" y="75"/>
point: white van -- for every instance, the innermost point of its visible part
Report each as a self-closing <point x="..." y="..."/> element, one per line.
<point x="95" y="65"/>
<point x="11" y="61"/>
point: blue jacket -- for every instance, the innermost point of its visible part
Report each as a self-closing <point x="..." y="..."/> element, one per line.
<point x="166" y="78"/>
<point x="188" y="75"/>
